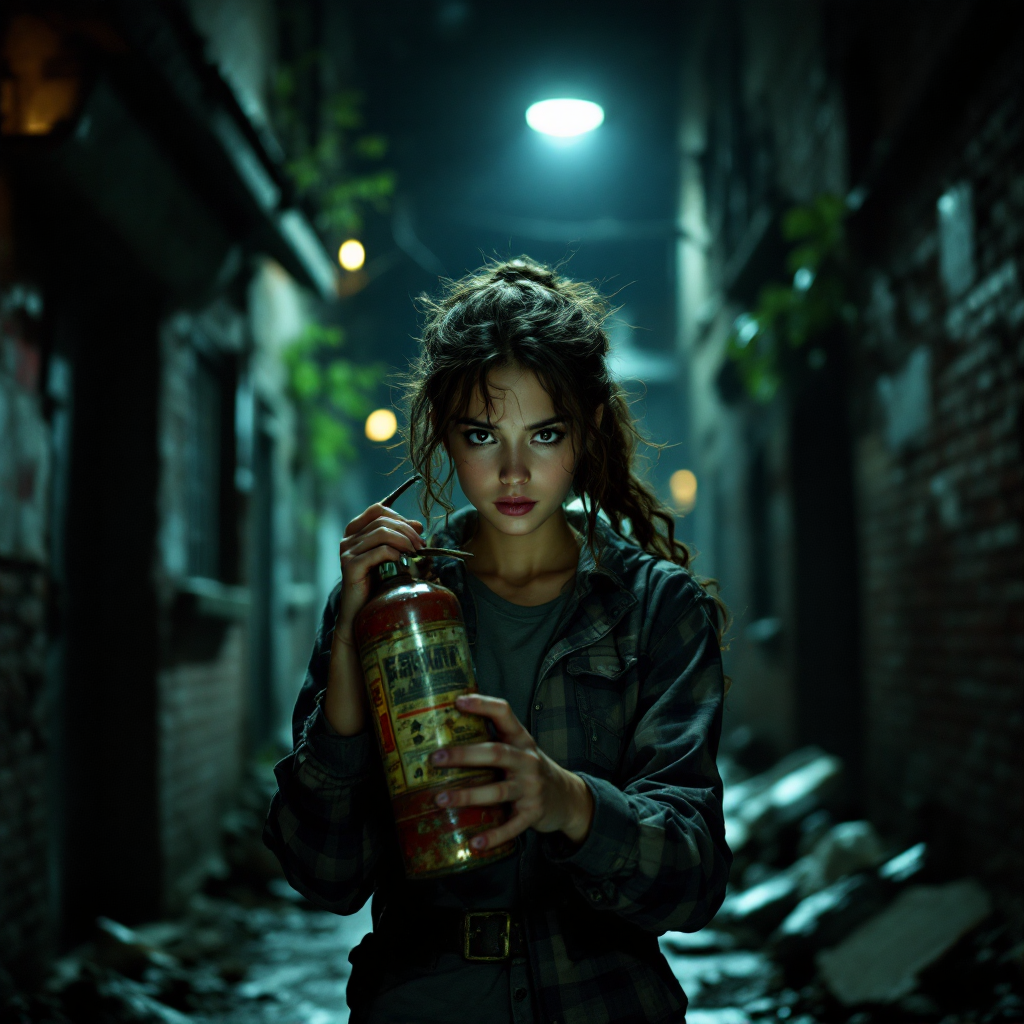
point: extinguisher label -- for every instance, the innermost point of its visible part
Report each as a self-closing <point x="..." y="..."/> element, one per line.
<point x="413" y="678"/>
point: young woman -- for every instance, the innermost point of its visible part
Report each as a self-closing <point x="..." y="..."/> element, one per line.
<point x="597" y="657"/>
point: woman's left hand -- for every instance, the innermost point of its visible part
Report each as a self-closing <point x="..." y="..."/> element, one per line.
<point x="544" y="795"/>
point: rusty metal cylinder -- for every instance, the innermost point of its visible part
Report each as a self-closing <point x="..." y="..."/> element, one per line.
<point x="416" y="661"/>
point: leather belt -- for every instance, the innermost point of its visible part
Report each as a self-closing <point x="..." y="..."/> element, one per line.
<point x="479" y="936"/>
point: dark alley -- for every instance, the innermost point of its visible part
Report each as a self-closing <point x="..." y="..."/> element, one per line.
<point x="791" y="233"/>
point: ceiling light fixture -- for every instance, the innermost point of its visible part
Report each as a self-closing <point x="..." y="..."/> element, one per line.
<point x="564" y="118"/>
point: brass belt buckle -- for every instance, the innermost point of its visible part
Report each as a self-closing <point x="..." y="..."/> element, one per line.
<point x="469" y="933"/>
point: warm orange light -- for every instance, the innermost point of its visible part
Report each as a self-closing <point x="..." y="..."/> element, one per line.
<point x="40" y="87"/>
<point x="683" y="484"/>
<point x="352" y="255"/>
<point x="381" y="425"/>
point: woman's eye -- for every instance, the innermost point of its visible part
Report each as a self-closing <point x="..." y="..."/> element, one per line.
<point x="478" y="437"/>
<point x="549" y="435"/>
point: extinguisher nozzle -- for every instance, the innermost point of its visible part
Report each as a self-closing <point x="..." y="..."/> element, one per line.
<point x="399" y="491"/>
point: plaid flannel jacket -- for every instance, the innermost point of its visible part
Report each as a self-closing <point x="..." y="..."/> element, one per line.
<point x="629" y="696"/>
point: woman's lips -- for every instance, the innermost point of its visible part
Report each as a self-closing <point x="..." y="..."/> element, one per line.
<point x="514" y="506"/>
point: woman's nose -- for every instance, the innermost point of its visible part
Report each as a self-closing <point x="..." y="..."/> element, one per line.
<point x="513" y="469"/>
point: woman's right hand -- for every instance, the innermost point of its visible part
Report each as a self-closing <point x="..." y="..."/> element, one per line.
<point x="378" y="535"/>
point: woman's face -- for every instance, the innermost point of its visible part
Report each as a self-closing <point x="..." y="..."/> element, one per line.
<point x="515" y="464"/>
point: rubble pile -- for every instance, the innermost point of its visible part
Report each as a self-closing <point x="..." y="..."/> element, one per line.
<point x="822" y="923"/>
<point x="247" y="950"/>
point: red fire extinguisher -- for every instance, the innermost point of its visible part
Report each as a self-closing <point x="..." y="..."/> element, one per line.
<point x="416" y="661"/>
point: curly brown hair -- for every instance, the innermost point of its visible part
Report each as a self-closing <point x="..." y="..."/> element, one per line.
<point x="522" y="313"/>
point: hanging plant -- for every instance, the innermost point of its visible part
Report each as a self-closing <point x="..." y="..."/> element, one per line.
<point x="776" y="339"/>
<point x="335" y="167"/>
<point x="333" y="396"/>
<point x="333" y="162"/>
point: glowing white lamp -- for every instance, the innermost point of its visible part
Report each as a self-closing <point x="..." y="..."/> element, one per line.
<point x="564" y="118"/>
<point x="352" y="255"/>
<point x="381" y="425"/>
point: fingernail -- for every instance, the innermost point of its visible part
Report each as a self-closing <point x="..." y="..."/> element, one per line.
<point x="439" y="756"/>
<point x="442" y="799"/>
<point x="478" y="843"/>
<point x="464" y="698"/>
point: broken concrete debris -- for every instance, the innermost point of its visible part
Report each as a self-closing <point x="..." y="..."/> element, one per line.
<point x="796" y="786"/>
<point x="761" y="907"/>
<point x="825" y="917"/>
<point x="905" y="866"/>
<point x="847" y="847"/>
<point x="881" y="960"/>
<point x="835" y="926"/>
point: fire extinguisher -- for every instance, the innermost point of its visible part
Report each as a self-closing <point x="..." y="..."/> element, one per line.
<point x="416" y="661"/>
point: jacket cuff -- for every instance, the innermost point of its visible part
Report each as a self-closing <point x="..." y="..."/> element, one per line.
<point x="341" y="756"/>
<point x="612" y="838"/>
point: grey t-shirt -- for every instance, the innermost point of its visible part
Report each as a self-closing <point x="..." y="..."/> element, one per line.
<point x="511" y="643"/>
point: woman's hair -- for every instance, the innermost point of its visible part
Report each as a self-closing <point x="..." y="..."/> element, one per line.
<point x="521" y="313"/>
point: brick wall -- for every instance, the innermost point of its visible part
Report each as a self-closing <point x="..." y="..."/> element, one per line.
<point x="25" y="744"/>
<point x="25" y="923"/>
<point x="201" y="716"/>
<point x="201" y="680"/>
<point x="941" y="485"/>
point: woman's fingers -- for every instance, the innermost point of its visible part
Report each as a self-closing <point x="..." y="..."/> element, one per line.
<point x="490" y="755"/>
<point x="358" y="568"/>
<point x="510" y="729"/>
<point x="396" y="534"/>
<point x="502" y="834"/>
<point x="379" y="511"/>
<point x="384" y="522"/>
<point x="482" y="796"/>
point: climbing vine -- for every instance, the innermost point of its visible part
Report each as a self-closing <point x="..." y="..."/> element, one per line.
<point x="779" y="337"/>
<point x="337" y="172"/>
<point x="334" y="165"/>
<point x="332" y="394"/>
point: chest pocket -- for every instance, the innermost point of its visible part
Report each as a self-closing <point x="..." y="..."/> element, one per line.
<point x="600" y="677"/>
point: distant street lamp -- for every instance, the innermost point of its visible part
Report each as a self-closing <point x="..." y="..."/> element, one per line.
<point x="352" y="255"/>
<point x="381" y="425"/>
<point x="40" y="78"/>
<point x="564" y="118"/>
<point x="683" y="485"/>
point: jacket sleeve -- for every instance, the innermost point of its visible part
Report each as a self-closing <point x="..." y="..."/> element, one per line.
<point x="326" y="818"/>
<point x="656" y="853"/>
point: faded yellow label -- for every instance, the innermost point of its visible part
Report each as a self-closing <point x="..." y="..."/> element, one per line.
<point x="413" y="678"/>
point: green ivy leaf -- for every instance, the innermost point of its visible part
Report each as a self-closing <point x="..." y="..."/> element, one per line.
<point x="371" y="147"/>
<point x="788" y="317"/>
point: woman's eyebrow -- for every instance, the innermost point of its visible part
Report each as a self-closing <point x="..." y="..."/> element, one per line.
<point x="490" y="426"/>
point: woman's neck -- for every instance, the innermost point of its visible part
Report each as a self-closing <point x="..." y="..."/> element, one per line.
<point x="534" y="566"/>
